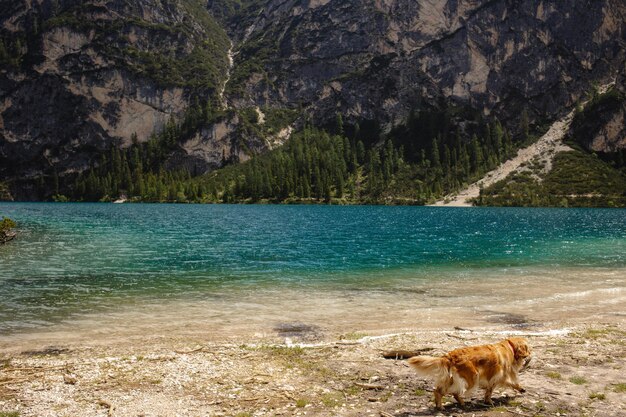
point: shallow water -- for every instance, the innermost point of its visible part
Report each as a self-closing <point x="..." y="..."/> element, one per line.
<point x="263" y="268"/>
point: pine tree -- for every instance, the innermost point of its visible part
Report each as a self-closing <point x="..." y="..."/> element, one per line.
<point x="339" y="123"/>
<point x="476" y="156"/>
<point x="434" y="154"/>
<point x="360" y="152"/>
<point x="497" y="140"/>
<point x="339" y="188"/>
<point x="327" y="192"/>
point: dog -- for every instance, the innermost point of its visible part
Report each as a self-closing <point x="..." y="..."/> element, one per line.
<point x="464" y="370"/>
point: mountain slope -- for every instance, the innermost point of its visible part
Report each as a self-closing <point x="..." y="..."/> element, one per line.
<point x="571" y="177"/>
<point x="541" y="153"/>
<point x="81" y="76"/>
<point x="379" y="60"/>
<point x="545" y="148"/>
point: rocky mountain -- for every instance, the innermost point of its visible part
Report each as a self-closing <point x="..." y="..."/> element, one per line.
<point x="79" y="76"/>
<point x="380" y="59"/>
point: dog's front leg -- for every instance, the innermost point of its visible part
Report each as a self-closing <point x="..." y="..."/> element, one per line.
<point x="459" y="399"/>
<point x="518" y="387"/>
<point x="514" y="383"/>
<point x="488" y="393"/>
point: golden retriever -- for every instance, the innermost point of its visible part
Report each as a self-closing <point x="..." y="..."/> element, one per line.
<point x="463" y="370"/>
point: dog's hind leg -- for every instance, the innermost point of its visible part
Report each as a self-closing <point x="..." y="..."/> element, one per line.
<point x="465" y="381"/>
<point x="438" y="398"/>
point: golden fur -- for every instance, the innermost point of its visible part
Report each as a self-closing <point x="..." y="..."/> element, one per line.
<point x="463" y="370"/>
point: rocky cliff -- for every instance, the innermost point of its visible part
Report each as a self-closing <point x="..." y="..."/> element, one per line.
<point x="380" y="59"/>
<point x="601" y="126"/>
<point x="78" y="76"/>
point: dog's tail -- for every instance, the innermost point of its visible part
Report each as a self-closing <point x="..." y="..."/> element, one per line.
<point x="430" y="366"/>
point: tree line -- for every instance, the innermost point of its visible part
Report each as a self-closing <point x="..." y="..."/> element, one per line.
<point x="338" y="164"/>
<point x="138" y="172"/>
<point x="316" y="166"/>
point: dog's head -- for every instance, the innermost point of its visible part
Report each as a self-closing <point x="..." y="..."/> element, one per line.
<point x="521" y="350"/>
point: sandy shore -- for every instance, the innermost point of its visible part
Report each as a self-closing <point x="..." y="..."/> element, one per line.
<point x="577" y="370"/>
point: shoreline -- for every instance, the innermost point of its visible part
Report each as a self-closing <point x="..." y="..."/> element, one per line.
<point x="577" y="369"/>
<point x="300" y="202"/>
<point x="515" y="298"/>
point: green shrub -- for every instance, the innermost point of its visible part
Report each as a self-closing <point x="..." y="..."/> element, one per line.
<point x="6" y="224"/>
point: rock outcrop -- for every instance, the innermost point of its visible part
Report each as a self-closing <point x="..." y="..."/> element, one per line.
<point x="380" y="59"/>
<point x="80" y="76"/>
<point x="601" y="127"/>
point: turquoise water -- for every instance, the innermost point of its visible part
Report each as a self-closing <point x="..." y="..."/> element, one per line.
<point x="76" y="259"/>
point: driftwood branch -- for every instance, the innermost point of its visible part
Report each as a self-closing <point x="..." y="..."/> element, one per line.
<point x="14" y="381"/>
<point x="462" y="329"/>
<point x="461" y="338"/>
<point x="404" y="354"/>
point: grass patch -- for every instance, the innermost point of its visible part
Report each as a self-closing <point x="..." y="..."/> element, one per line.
<point x="332" y="399"/>
<point x="285" y="352"/>
<point x="553" y="375"/>
<point x="597" y="396"/>
<point x="420" y="392"/>
<point x="291" y="356"/>
<point x="301" y="402"/>
<point x="578" y="380"/>
<point x="386" y="396"/>
<point x="620" y="387"/>
<point x="353" y="336"/>
<point x="9" y="414"/>
<point x="295" y="357"/>
<point x="595" y="333"/>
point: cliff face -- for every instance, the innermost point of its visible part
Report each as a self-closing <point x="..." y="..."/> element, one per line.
<point x="380" y="59"/>
<point x="80" y="76"/>
<point x="601" y="126"/>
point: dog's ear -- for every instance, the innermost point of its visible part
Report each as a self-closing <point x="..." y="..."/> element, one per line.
<point x="520" y="347"/>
